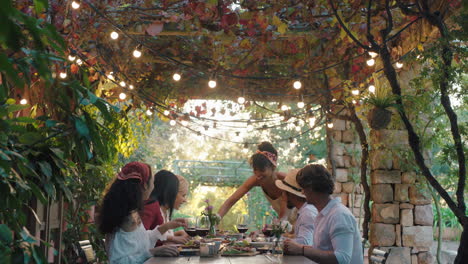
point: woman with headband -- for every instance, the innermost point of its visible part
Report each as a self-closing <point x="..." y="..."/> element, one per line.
<point x="264" y="164"/>
<point x="127" y="241"/>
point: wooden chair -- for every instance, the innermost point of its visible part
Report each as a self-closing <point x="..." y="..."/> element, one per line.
<point x="378" y="256"/>
<point x="86" y="252"/>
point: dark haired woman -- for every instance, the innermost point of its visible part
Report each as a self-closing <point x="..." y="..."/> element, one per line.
<point x="169" y="193"/>
<point x="127" y="241"/>
<point x="264" y="164"/>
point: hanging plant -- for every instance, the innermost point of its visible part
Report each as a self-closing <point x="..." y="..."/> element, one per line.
<point x="379" y="116"/>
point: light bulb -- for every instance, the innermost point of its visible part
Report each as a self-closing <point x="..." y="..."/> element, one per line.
<point x="23" y="101"/>
<point x="63" y="75"/>
<point x="297" y="85"/>
<point x="372" y="88"/>
<point x="79" y="62"/>
<point x="75" y="5"/>
<point x="212" y="84"/>
<point x="241" y="100"/>
<point x="110" y="76"/>
<point x="373" y="54"/>
<point x="122" y="83"/>
<point x="399" y="65"/>
<point x="166" y="112"/>
<point x="176" y="77"/>
<point x="122" y="96"/>
<point x="354" y="101"/>
<point x="114" y="35"/>
<point x="300" y="104"/>
<point x="245" y="150"/>
<point x="370" y="62"/>
<point x="71" y="58"/>
<point x="330" y="125"/>
<point x="284" y="108"/>
<point x="355" y="92"/>
<point x="298" y="129"/>
<point x="131" y="87"/>
<point x="312" y="121"/>
<point x="136" y="53"/>
<point x="149" y="112"/>
<point x="172" y="122"/>
<point x="184" y="122"/>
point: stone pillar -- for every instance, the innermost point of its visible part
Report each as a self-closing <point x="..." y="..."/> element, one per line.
<point x="401" y="211"/>
<point x="345" y="154"/>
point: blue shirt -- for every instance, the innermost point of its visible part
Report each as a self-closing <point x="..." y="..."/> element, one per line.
<point x="304" y="227"/>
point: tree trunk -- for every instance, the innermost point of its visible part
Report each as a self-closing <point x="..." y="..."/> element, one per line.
<point x="462" y="254"/>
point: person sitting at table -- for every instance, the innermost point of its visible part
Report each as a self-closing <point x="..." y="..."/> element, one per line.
<point x="169" y="193"/>
<point x="303" y="228"/>
<point x="336" y="235"/>
<point x="127" y="241"/>
<point x="264" y="163"/>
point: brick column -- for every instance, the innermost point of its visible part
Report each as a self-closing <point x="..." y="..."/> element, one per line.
<point x="401" y="211"/>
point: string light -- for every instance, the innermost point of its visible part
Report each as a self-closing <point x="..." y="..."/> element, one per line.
<point x="212" y="84"/>
<point x="370" y="62"/>
<point x="297" y="85"/>
<point x="122" y="96"/>
<point x="123" y="84"/>
<point x="355" y="92"/>
<point x="131" y="87"/>
<point x="75" y="5"/>
<point x="184" y="122"/>
<point x="149" y="112"/>
<point x="136" y="53"/>
<point x="298" y="129"/>
<point x="354" y="101"/>
<point x="241" y="100"/>
<point x="300" y="104"/>
<point x="284" y="108"/>
<point x="330" y="125"/>
<point x="71" y="58"/>
<point x="110" y="76"/>
<point x="371" y="88"/>
<point x="114" y="35"/>
<point x="63" y="75"/>
<point x="166" y="112"/>
<point x="399" y="65"/>
<point x="291" y="142"/>
<point x="172" y="122"/>
<point x="79" y="62"/>
<point x="23" y="101"/>
<point x="176" y="77"/>
<point x="311" y="121"/>
<point x="373" y="54"/>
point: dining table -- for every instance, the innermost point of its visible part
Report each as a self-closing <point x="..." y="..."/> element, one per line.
<point x="258" y="259"/>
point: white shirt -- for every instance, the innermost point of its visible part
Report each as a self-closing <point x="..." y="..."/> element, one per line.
<point x="336" y="230"/>
<point x="304" y="227"/>
<point x="169" y="232"/>
<point x="133" y="247"/>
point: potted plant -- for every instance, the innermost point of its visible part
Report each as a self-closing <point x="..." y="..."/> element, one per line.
<point x="379" y="116"/>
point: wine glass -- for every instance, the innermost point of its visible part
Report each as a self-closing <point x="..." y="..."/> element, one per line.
<point x="267" y="226"/>
<point x="242" y="223"/>
<point x="203" y="226"/>
<point x="191" y="228"/>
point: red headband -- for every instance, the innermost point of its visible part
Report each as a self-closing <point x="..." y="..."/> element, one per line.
<point x="270" y="156"/>
<point x="135" y="170"/>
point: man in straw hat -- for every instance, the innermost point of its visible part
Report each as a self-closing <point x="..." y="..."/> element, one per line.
<point x="303" y="228"/>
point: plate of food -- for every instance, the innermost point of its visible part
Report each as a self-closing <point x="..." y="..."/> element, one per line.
<point x="239" y="251"/>
<point x="191" y="244"/>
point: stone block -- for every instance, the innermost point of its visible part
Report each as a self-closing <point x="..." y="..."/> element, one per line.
<point x="357" y="199"/>
<point x="385" y="176"/>
<point x="400" y="255"/>
<point x="396" y="165"/>
<point x="419" y="195"/>
<point x="336" y="135"/>
<point x="406" y="206"/>
<point x="339" y="161"/>
<point x="401" y="192"/>
<point x="381" y="193"/>
<point x="386" y="213"/>
<point x="344" y="198"/>
<point x="339" y="124"/>
<point x="337" y="149"/>
<point x="406" y="217"/>
<point x="341" y="175"/>
<point x="347" y="161"/>
<point x="348" y="136"/>
<point x="382" y="235"/>
<point x="417" y="236"/>
<point x="359" y="189"/>
<point x="408" y="177"/>
<point x="425" y="258"/>
<point x="337" y="187"/>
<point x="349" y="124"/>
<point x="389" y="138"/>
<point x="381" y="160"/>
<point x="398" y="235"/>
<point x="423" y="215"/>
<point x="348" y="187"/>
<point x="414" y="259"/>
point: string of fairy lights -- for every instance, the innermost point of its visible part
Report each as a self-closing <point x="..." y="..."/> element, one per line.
<point x="180" y="118"/>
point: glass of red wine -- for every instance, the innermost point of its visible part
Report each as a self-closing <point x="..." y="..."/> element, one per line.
<point x="267" y="229"/>
<point x="203" y="226"/>
<point x="191" y="228"/>
<point x="242" y="223"/>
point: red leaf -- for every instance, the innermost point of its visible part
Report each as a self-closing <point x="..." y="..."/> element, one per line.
<point x="155" y="28"/>
<point x="74" y="68"/>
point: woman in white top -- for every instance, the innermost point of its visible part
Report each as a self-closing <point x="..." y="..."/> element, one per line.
<point x="127" y="241"/>
<point x="336" y="235"/>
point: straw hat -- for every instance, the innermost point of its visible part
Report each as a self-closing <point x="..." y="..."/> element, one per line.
<point x="290" y="184"/>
